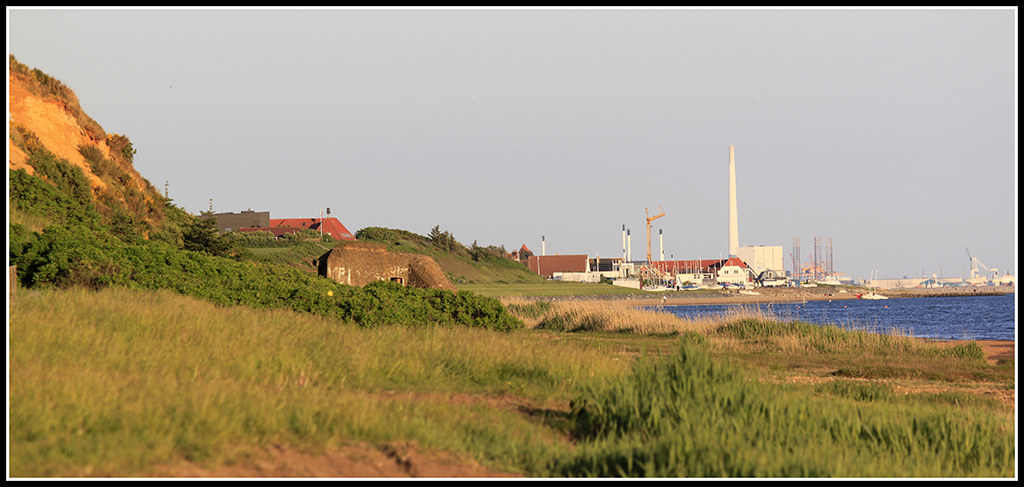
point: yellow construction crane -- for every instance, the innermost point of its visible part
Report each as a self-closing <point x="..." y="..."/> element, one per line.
<point x="649" y="220"/>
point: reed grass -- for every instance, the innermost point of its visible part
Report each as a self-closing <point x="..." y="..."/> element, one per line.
<point x="574" y="316"/>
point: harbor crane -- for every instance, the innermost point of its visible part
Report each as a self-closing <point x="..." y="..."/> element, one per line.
<point x="649" y="220"/>
<point x="975" y="265"/>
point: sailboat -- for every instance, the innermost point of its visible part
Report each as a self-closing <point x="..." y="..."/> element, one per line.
<point x="872" y="294"/>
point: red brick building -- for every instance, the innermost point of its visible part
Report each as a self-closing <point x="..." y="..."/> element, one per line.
<point x="546" y="265"/>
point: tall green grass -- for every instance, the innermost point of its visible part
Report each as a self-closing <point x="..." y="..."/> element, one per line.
<point x="692" y="416"/>
<point x="116" y="381"/>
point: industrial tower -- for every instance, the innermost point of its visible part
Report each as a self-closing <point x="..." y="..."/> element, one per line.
<point x="797" y="269"/>
<point x="817" y="258"/>
<point x="828" y="258"/>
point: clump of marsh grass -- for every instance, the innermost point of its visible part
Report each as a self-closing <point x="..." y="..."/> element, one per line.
<point x="574" y="316"/>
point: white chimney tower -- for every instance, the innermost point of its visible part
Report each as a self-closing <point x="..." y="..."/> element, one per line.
<point x="629" y="247"/>
<point x="734" y="231"/>
<point x="661" y="243"/>
<point x="623" y="242"/>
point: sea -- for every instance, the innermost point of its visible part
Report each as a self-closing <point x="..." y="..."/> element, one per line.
<point x="939" y="318"/>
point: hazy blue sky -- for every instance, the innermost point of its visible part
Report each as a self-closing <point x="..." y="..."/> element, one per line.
<point x="892" y="132"/>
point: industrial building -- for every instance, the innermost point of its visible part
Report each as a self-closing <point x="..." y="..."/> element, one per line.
<point x="763" y="258"/>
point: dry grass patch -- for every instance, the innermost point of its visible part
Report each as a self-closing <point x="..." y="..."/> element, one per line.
<point x="572" y="316"/>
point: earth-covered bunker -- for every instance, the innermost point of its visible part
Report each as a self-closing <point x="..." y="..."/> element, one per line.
<point x="360" y="263"/>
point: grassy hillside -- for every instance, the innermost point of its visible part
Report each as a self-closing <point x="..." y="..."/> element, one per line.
<point x="463" y="265"/>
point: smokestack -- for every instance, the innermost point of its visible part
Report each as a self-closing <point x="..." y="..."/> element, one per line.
<point x="661" y="243"/>
<point x="734" y="232"/>
<point x="629" y="247"/>
<point x="623" y="242"/>
<point x="542" y="247"/>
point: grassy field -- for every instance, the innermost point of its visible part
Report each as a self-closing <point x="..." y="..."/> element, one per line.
<point x="119" y="383"/>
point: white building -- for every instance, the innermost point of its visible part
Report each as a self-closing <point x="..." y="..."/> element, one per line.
<point x="762" y="258"/>
<point x="734" y="271"/>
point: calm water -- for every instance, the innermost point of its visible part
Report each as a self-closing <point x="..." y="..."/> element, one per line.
<point x="958" y="318"/>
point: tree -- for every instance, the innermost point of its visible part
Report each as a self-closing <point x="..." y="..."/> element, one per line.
<point x="443" y="240"/>
<point x="202" y="236"/>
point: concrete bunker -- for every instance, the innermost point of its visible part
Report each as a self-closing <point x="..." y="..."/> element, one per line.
<point x="360" y="263"/>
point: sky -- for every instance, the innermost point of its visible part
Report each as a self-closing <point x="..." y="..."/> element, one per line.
<point x="892" y="132"/>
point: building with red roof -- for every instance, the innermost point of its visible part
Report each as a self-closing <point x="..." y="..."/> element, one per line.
<point x="329" y="226"/>
<point x="253" y="221"/>
<point x="734" y="271"/>
<point x="546" y="265"/>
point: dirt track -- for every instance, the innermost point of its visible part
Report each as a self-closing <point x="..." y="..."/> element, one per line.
<point x="350" y="461"/>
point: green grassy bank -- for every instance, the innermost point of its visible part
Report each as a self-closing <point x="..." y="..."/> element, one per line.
<point x="117" y="382"/>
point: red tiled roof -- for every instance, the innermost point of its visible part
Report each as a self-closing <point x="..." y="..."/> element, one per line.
<point x="331" y="226"/>
<point x="736" y="261"/>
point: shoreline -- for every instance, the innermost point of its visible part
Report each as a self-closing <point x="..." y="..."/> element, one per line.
<point x="770" y="295"/>
<point x="995" y="350"/>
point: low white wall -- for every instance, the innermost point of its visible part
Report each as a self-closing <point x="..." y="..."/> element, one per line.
<point x="577" y="276"/>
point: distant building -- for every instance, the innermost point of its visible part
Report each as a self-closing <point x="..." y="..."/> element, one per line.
<point x="330" y="226"/>
<point x="547" y="265"/>
<point x="904" y="283"/>
<point x="260" y="221"/>
<point x="734" y="271"/>
<point x="228" y="222"/>
<point x="762" y="258"/>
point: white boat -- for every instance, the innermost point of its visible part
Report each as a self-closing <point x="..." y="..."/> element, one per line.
<point x="872" y="295"/>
